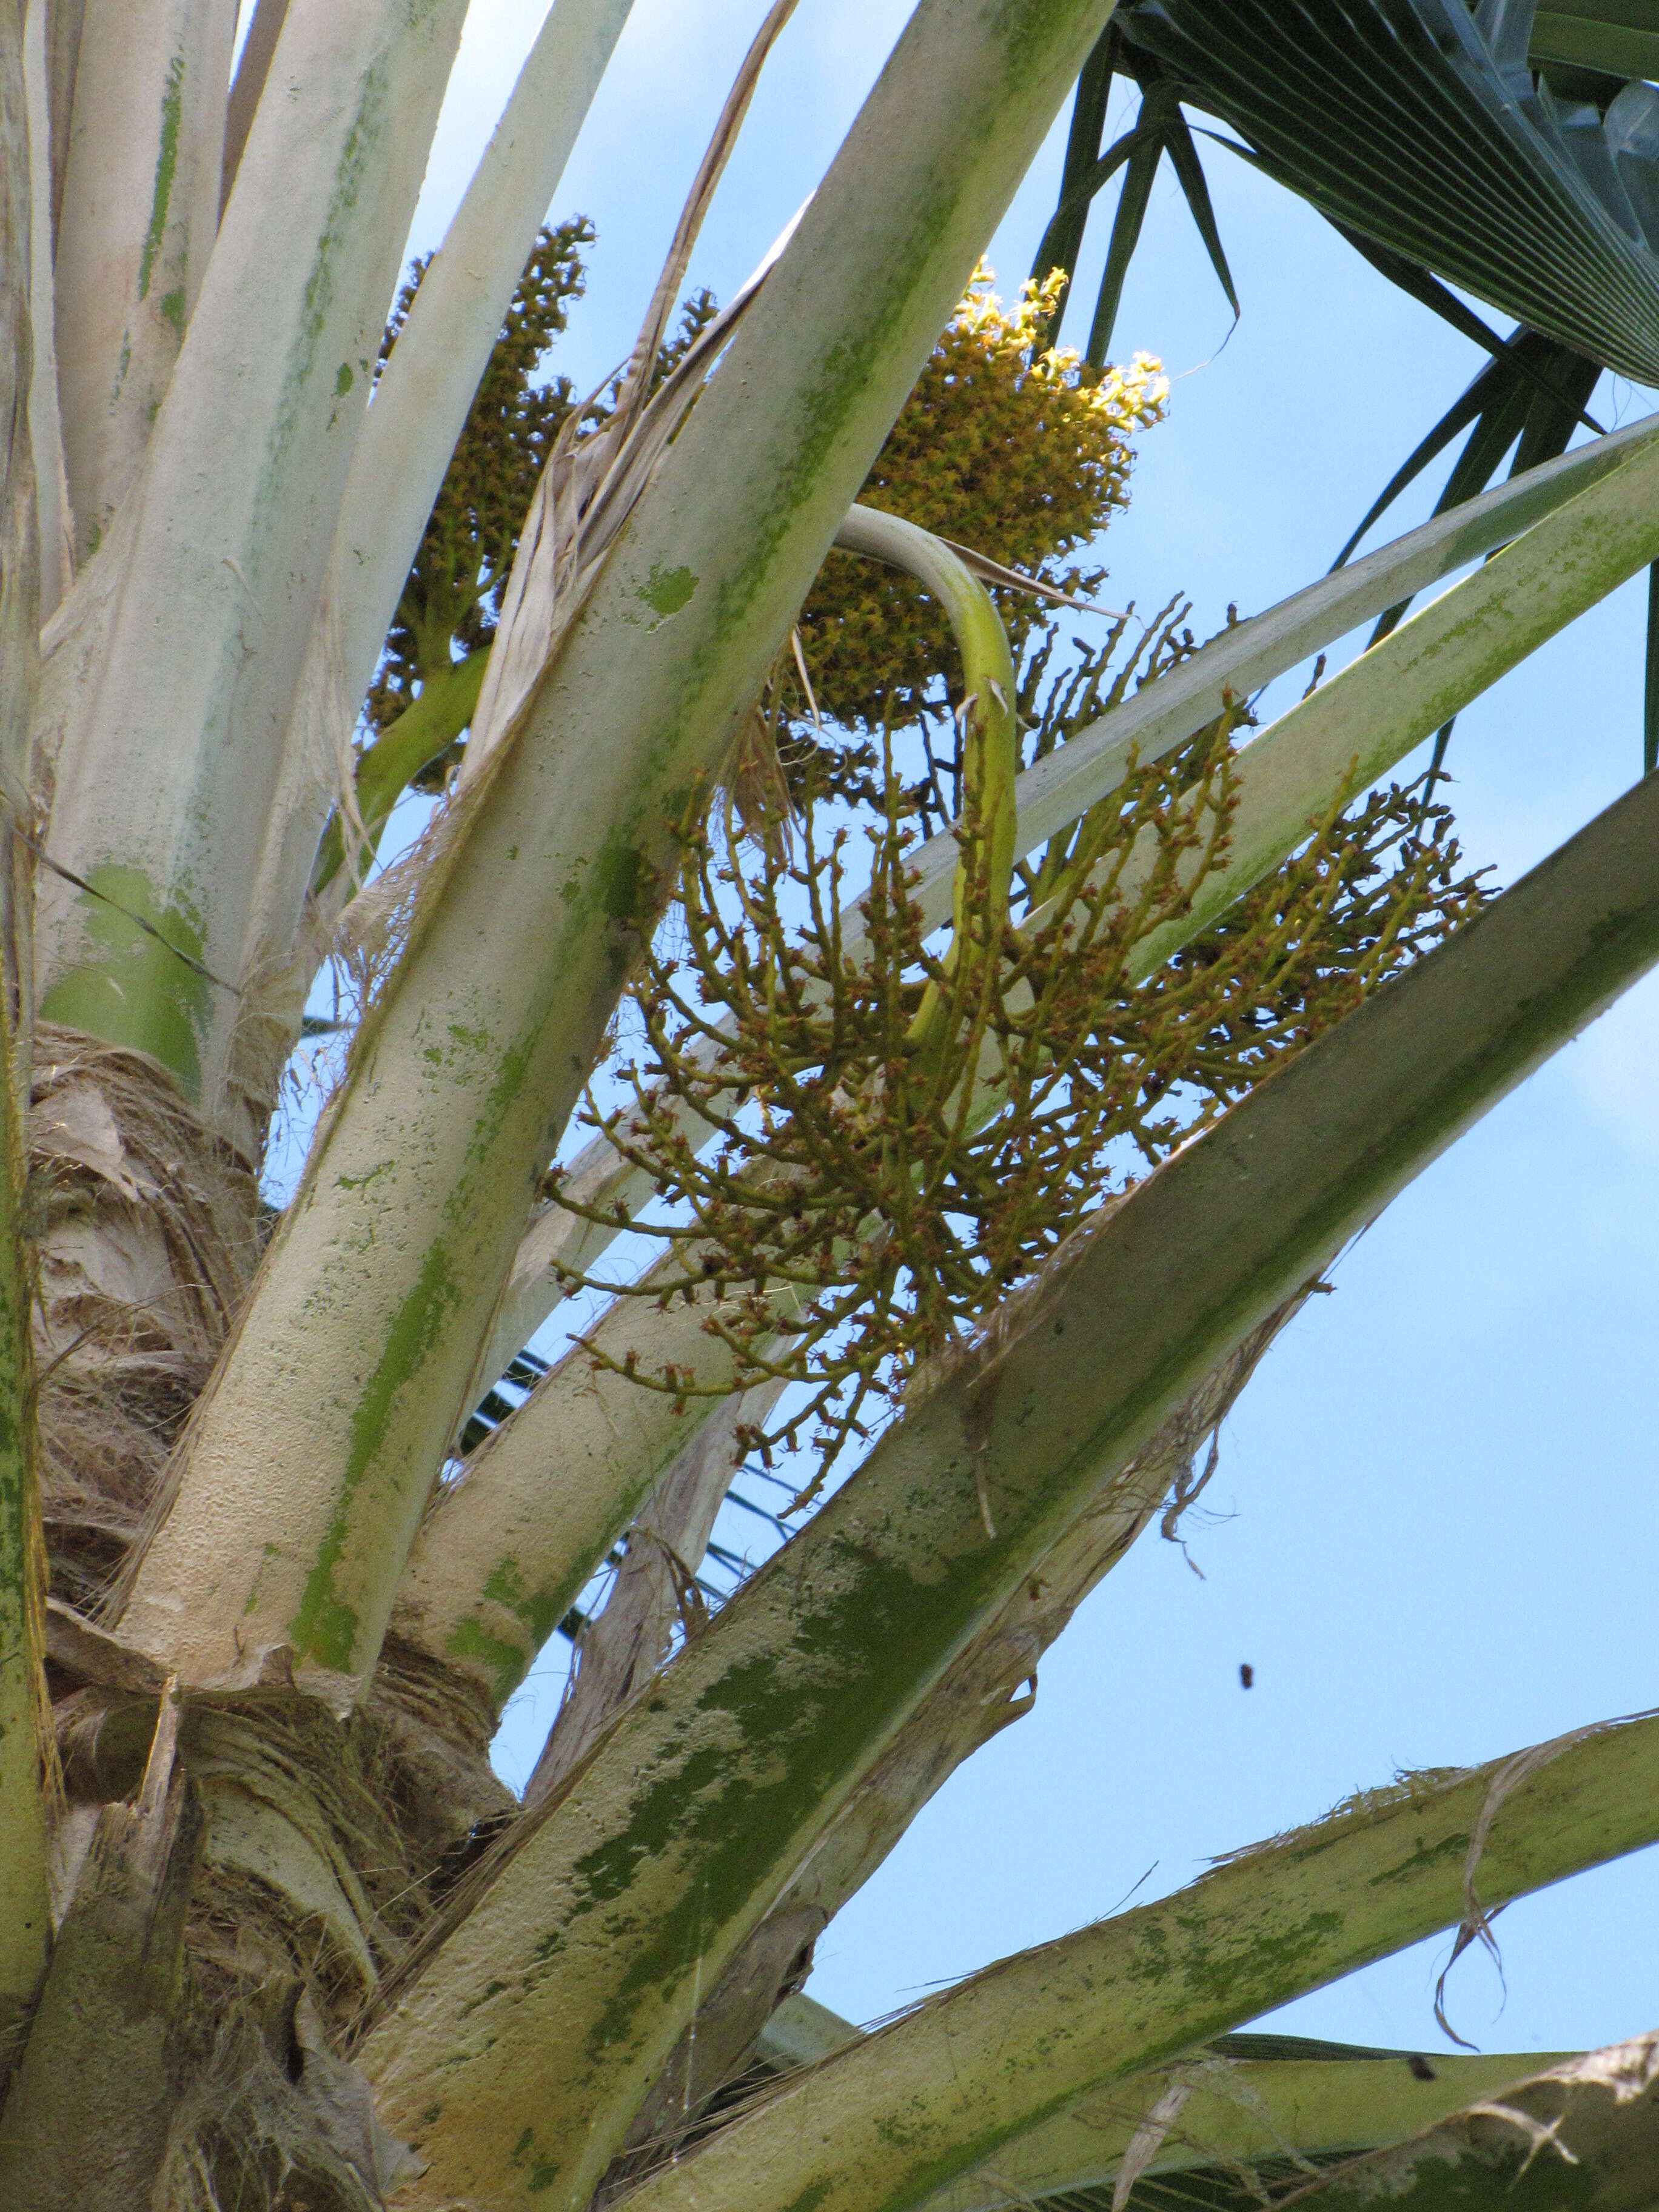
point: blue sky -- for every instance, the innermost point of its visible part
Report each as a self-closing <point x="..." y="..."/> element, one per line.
<point x="1435" y="1517"/>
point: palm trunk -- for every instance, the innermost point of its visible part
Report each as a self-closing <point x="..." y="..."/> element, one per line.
<point x="25" y="1774"/>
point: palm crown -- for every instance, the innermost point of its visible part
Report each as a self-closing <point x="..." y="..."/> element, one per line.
<point x="924" y="971"/>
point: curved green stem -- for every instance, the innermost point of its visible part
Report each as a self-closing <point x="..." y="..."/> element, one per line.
<point x="990" y="740"/>
<point x="418" y="736"/>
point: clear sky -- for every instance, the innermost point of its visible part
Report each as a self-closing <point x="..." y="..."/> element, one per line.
<point x="1436" y="1513"/>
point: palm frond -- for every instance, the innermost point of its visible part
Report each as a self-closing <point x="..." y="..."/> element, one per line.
<point x="1423" y="127"/>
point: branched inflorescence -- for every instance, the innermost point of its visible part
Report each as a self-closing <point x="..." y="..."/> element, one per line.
<point x="869" y="1199"/>
<point x="904" y="1129"/>
<point x="1015" y="450"/>
<point x="451" y="599"/>
<point x="448" y="603"/>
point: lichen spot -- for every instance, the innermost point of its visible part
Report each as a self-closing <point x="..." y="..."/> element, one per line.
<point x="666" y="591"/>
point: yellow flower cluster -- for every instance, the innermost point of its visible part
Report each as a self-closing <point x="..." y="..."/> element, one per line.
<point x="1020" y="451"/>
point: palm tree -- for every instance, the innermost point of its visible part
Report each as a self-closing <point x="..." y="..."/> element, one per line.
<point x="270" y="1930"/>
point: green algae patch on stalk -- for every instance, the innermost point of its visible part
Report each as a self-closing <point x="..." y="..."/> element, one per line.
<point x="537" y="1612"/>
<point x="167" y="163"/>
<point x="540" y="1610"/>
<point x="327" y="1625"/>
<point x="505" y="1662"/>
<point x="149" y="988"/>
<point x="666" y="591"/>
<point x="372" y="120"/>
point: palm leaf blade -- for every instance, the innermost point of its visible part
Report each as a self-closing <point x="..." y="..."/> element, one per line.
<point x="1393" y="117"/>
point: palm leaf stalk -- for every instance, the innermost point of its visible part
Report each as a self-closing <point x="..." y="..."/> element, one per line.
<point x="124" y="655"/>
<point x="658" y="1593"/>
<point x="1263" y="2112"/>
<point x="976" y="2070"/>
<point x="678" y="570"/>
<point x="248" y="87"/>
<point x="1258" y="2118"/>
<point x="454" y="320"/>
<point x="1588" y="2124"/>
<point x="111" y="1994"/>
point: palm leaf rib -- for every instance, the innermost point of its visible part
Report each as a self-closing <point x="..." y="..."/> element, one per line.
<point x="1337" y="2130"/>
<point x="428" y="384"/>
<point x="242" y="478"/>
<point x="1243" y="2118"/>
<point x="1244" y="2113"/>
